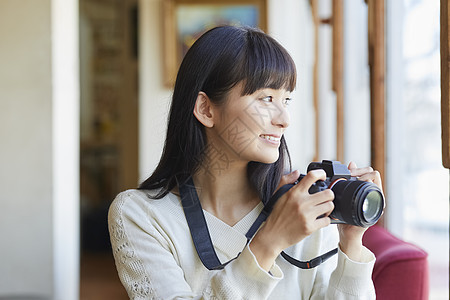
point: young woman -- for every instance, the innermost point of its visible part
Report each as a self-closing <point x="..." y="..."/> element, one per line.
<point x="225" y="140"/>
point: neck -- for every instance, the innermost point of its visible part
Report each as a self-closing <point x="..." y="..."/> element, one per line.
<point x="227" y="194"/>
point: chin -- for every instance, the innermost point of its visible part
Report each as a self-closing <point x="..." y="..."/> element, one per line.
<point x="265" y="156"/>
<point x="268" y="159"/>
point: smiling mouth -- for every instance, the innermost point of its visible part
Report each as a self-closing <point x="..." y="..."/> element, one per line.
<point x="270" y="138"/>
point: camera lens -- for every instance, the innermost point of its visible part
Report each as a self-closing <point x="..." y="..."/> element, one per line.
<point x="357" y="202"/>
<point x="372" y="206"/>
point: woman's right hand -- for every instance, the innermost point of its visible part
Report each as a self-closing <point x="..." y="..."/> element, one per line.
<point x="294" y="217"/>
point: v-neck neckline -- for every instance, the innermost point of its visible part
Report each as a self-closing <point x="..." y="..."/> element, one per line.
<point x="229" y="240"/>
<point x="243" y="225"/>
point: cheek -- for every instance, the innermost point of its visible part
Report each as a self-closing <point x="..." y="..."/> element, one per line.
<point x="238" y="135"/>
<point x="260" y="115"/>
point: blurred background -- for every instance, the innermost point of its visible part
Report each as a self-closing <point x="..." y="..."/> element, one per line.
<point x="85" y="88"/>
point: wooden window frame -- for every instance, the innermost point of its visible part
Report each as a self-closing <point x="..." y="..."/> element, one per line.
<point x="376" y="36"/>
<point x="376" y="48"/>
<point x="376" y="42"/>
<point x="445" y="83"/>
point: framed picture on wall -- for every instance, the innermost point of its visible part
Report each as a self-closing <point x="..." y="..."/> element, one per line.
<point x="187" y="20"/>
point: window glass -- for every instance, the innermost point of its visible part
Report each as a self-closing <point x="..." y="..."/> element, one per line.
<point x="425" y="181"/>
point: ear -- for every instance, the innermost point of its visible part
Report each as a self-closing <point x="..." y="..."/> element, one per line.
<point x="203" y="110"/>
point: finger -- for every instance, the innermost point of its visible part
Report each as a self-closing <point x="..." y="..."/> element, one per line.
<point x="367" y="177"/>
<point x="310" y="178"/>
<point x="289" y="178"/>
<point x="322" y="197"/>
<point x="373" y="176"/>
<point x="323" y="209"/>
<point x="322" y="222"/>
<point x="378" y="180"/>
<point x="361" y="171"/>
<point x="352" y="166"/>
<point x="325" y="204"/>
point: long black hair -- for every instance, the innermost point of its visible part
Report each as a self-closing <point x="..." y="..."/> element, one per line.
<point x="219" y="60"/>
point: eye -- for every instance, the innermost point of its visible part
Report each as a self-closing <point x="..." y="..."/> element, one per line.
<point x="266" y="99"/>
<point x="287" y="101"/>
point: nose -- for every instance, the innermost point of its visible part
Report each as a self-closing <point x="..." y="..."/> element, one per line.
<point x="282" y="117"/>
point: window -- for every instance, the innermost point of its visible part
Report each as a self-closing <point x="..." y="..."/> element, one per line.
<point x="417" y="177"/>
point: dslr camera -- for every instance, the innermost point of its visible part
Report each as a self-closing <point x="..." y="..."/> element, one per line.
<point x="356" y="202"/>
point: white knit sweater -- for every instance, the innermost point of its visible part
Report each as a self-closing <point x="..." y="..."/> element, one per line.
<point x="156" y="259"/>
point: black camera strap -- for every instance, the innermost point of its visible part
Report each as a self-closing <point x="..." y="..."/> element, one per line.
<point x="198" y="227"/>
<point x="202" y="239"/>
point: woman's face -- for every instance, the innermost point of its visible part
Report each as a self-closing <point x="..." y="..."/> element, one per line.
<point x="249" y="128"/>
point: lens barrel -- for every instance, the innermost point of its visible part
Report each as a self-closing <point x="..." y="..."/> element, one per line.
<point x="357" y="202"/>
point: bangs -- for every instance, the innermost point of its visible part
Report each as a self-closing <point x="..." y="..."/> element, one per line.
<point x="267" y="65"/>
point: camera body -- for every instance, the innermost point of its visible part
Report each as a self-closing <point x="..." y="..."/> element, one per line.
<point x="356" y="202"/>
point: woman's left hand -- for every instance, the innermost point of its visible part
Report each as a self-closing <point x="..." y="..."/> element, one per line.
<point x="350" y="236"/>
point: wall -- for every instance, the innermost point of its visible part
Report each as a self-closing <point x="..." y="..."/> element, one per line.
<point x="26" y="148"/>
<point x="356" y="84"/>
<point x="395" y="217"/>
<point x="153" y="97"/>
<point x="39" y="149"/>
<point x="65" y="146"/>
<point x="355" y="81"/>
<point x="289" y="22"/>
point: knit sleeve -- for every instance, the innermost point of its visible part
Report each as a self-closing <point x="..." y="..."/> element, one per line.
<point x="352" y="280"/>
<point x="345" y="278"/>
<point x="149" y="267"/>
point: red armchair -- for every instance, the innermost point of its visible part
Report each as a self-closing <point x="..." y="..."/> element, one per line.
<point x="401" y="268"/>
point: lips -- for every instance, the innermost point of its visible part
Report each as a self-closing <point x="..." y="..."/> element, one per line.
<point x="272" y="138"/>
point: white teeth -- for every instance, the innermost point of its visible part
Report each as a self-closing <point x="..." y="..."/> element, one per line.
<point x="270" y="138"/>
